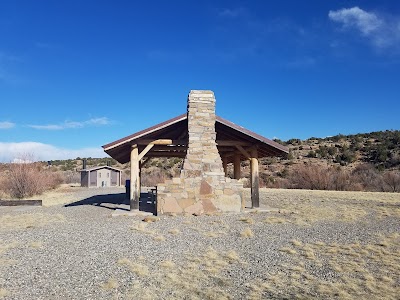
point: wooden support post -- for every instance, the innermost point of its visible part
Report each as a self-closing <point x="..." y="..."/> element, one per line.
<point x="225" y="165"/>
<point x="236" y="166"/>
<point x="140" y="178"/>
<point x="135" y="179"/>
<point x="255" y="192"/>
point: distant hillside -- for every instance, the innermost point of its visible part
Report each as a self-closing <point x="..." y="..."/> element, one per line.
<point x="358" y="161"/>
<point x="381" y="149"/>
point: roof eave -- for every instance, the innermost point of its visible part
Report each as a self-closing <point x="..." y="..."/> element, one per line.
<point x="253" y="134"/>
<point x="141" y="133"/>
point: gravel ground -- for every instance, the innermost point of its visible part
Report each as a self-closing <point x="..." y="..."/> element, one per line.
<point x="87" y="254"/>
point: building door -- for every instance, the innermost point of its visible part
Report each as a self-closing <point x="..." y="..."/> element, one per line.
<point x="114" y="178"/>
<point x="93" y="178"/>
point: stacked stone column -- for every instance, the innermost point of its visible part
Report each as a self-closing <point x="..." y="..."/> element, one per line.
<point x="202" y="186"/>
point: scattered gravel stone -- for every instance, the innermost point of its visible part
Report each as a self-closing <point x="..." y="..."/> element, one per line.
<point x="78" y="258"/>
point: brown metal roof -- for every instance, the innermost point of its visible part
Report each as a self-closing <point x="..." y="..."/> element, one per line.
<point x="100" y="167"/>
<point x="252" y="134"/>
<point x="228" y="134"/>
<point x="144" y="132"/>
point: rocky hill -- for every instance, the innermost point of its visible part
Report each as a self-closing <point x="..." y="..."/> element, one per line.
<point x="368" y="155"/>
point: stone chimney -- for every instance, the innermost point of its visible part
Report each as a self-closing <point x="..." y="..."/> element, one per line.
<point x="202" y="158"/>
<point x="202" y="186"/>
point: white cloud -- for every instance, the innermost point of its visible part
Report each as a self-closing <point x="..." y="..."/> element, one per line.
<point x="43" y="152"/>
<point x="383" y="32"/>
<point x="98" y="121"/>
<point x="356" y="17"/>
<point x="73" y="125"/>
<point x="6" y="125"/>
<point x="46" y="127"/>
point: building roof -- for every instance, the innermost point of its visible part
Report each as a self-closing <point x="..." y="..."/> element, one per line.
<point x="100" y="167"/>
<point x="229" y="136"/>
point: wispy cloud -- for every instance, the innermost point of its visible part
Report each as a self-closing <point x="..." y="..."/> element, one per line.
<point x="47" y="127"/>
<point x="232" y="12"/>
<point x="364" y="21"/>
<point x="381" y="31"/>
<point x="73" y="124"/>
<point x="6" y="125"/>
<point x="38" y="151"/>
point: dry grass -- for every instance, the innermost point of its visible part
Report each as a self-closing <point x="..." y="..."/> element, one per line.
<point x="211" y="234"/>
<point x="369" y="271"/>
<point x="305" y="207"/>
<point x="138" y="269"/>
<point x="151" y="219"/>
<point x="355" y="270"/>
<point x="167" y="264"/>
<point x="174" y="231"/>
<point x="288" y="250"/>
<point x="159" y="238"/>
<point x="13" y="222"/>
<point x="232" y="256"/>
<point x="3" y="292"/>
<point x="191" y="277"/>
<point x="142" y="227"/>
<point x="110" y="284"/>
<point x="247" y="233"/>
<point x="247" y="220"/>
<point x="296" y="243"/>
<point x="275" y="220"/>
<point x="36" y="244"/>
<point x="64" y="194"/>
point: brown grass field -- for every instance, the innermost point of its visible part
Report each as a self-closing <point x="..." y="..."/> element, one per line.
<point x="309" y="245"/>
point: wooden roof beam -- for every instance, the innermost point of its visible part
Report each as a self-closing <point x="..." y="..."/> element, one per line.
<point x="184" y="142"/>
<point x="232" y="143"/>
<point x="159" y="142"/>
<point x="166" y="154"/>
<point x="244" y="152"/>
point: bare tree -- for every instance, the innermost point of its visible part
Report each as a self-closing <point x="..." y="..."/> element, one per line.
<point x="26" y="178"/>
<point x="392" y="180"/>
<point x="312" y="177"/>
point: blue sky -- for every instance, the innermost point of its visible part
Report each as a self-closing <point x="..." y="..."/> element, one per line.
<point x="75" y="75"/>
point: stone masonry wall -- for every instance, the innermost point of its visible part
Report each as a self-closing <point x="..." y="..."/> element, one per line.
<point x="202" y="186"/>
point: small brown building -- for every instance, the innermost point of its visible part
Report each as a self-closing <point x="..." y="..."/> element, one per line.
<point x="101" y="176"/>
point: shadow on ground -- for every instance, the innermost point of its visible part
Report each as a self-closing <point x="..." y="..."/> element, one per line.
<point x="116" y="201"/>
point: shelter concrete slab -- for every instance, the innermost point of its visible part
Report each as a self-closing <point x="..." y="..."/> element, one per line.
<point x="123" y="210"/>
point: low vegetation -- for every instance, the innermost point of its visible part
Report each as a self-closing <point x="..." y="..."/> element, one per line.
<point x="26" y="221"/>
<point x="361" y="162"/>
<point x="21" y="180"/>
